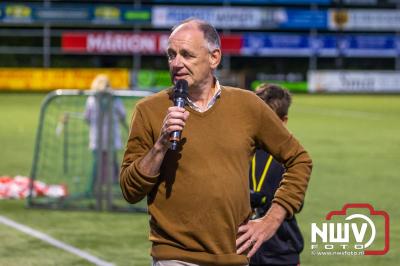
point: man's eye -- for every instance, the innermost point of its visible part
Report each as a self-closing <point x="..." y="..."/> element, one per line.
<point x="186" y="54"/>
<point x="171" y="56"/>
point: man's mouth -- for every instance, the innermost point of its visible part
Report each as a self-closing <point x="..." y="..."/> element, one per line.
<point x="179" y="76"/>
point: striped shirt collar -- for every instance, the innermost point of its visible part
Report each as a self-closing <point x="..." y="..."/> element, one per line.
<point x="212" y="101"/>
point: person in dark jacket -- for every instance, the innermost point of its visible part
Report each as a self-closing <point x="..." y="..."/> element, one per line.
<point x="265" y="176"/>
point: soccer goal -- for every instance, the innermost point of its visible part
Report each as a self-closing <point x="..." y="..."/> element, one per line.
<point x="79" y="146"/>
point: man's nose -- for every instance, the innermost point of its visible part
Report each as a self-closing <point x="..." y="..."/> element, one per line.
<point x="177" y="61"/>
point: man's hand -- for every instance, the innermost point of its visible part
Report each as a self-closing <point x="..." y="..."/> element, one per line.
<point x="256" y="232"/>
<point x="173" y="121"/>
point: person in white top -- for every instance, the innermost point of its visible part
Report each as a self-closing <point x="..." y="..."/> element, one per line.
<point x="96" y="106"/>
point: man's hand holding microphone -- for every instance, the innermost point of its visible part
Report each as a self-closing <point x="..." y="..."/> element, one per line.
<point x="170" y="135"/>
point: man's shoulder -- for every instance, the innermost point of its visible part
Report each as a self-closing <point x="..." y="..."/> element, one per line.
<point x="234" y="90"/>
<point x="241" y="95"/>
<point x="238" y="92"/>
<point x="156" y="100"/>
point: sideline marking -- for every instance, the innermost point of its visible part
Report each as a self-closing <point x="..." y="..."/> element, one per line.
<point x="54" y="242"/>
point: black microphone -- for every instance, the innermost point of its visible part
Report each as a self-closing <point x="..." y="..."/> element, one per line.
<point x="179" y="97"/>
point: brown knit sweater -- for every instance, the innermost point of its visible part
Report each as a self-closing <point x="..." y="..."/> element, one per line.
<point x="201" y="195"/>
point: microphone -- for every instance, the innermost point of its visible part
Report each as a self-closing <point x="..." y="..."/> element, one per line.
<point x="179" y="97"/>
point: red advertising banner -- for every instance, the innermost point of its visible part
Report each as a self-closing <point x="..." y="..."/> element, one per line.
<point x="232" y="44"/>
<point x="131" y="43"/>
<point x="113" y="43"/>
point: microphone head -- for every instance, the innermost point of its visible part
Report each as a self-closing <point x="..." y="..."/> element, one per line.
<point x="181" y="88"/>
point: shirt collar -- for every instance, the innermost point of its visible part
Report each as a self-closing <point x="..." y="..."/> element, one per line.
<point x="212" y="101"/>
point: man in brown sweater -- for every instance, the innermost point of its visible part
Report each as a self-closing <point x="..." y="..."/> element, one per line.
<point x="198" y="196"/>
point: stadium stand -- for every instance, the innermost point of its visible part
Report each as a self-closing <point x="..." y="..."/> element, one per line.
<point x="274" y="40"/>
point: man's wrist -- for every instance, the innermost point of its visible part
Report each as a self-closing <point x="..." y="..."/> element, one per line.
<point x="160" y="147"/>
<point x="275" y="215"/>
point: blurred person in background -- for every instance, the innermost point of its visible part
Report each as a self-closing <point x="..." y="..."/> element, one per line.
<point x="97" y="105"/>
<point x="284" y="247"/>
<point x="198" y="196"/>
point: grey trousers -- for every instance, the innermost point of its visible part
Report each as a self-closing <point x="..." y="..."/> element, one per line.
<point x="172" y="263"/>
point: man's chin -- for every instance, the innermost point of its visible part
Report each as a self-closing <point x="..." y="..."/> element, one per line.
<point x="176" y="78"/>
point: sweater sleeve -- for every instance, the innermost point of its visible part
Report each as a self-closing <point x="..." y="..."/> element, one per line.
<point x="274" y="137"/>
<point x="134" y="184"/>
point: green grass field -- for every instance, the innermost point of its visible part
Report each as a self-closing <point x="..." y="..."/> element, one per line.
<point x="354" y="141"/>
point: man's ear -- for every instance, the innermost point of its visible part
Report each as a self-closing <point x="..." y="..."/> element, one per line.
<point x="215" y="58"/>
<point x="285" y="119"/>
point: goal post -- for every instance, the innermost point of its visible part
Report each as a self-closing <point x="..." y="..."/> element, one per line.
<point x="79" y="146"/>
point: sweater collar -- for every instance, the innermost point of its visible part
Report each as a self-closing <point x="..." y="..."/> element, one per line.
<point x="212" y="101"/>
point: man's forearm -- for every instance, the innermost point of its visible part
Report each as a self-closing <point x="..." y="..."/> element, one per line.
<point x="137" y="180"/>
<point x="151" y="162"/>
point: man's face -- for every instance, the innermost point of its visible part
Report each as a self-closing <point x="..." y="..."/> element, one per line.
<point x="188" y="57"/>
